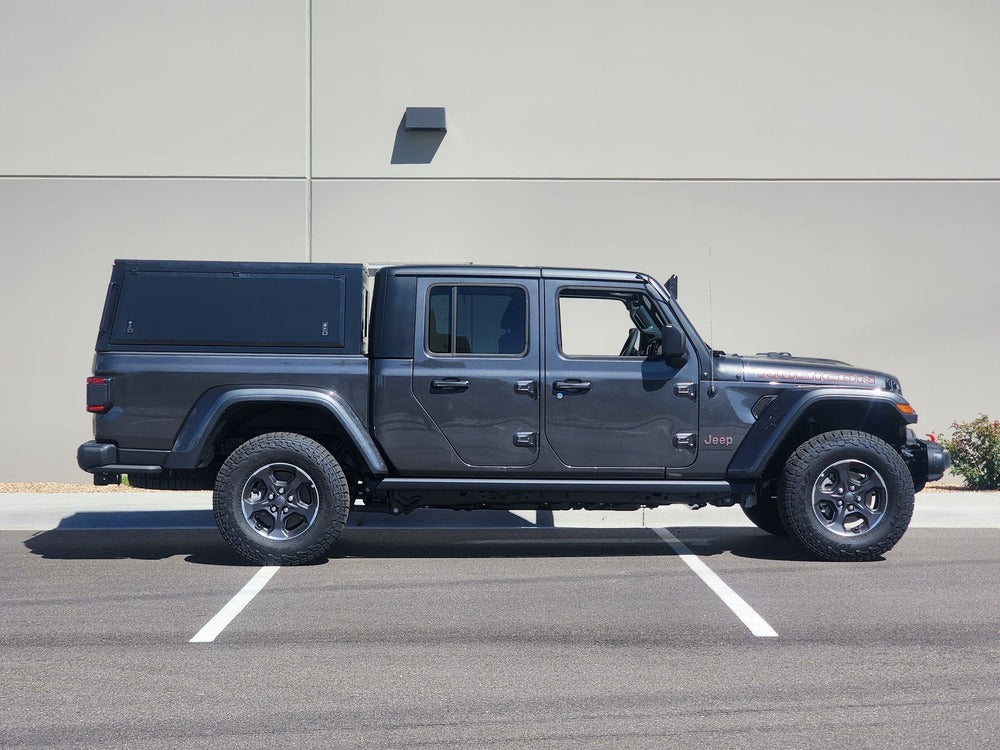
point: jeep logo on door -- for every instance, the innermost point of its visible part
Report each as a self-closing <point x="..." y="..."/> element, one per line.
<point x="718" y="441"/>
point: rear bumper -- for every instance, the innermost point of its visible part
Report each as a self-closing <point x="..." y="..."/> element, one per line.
<point x="92" y="454"/>
<point x="105" y="462"/>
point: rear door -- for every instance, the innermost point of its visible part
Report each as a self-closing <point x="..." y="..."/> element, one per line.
<point x="610" y="402"/>
<point x="476" y="370"/>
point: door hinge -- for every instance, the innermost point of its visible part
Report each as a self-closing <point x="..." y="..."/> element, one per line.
<point x="689" y="390"/>
<point x="686" y="440"/>
<point x="526" y="439"/>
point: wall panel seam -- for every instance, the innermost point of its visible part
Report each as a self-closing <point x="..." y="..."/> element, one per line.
<point x="312" y="178"/>
<point x="666" y="179"/>
<point x="247" y="178"/>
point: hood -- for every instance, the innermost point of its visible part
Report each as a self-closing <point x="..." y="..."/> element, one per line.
<point x="780" y="367"/>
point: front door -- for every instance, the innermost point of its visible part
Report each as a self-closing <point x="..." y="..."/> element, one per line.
<point x="476" y="372"/>
<point x="610" y="401"/>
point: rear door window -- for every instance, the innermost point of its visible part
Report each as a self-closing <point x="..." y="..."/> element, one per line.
<point x="490" y="320"/>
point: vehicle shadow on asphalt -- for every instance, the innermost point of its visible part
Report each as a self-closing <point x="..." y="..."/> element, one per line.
<point x="704" y="541"/>
<point x="206" y="547"/>
<point x="202" y="546"/>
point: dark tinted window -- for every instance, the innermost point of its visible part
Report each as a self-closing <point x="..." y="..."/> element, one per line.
<point x="477" y="320"/>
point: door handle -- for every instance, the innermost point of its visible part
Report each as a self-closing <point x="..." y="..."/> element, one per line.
<point x="449" y="384"/>
<point x="572" y="386"/>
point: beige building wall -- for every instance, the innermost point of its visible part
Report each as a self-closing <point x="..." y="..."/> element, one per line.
<point x="823" y="177"/>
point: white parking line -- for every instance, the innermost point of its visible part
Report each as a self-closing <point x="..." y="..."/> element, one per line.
<point x="748" y="616"/>
<point x="235" y="605"/>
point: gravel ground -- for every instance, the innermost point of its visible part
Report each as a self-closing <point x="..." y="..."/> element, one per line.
<point x="60" y="487"/>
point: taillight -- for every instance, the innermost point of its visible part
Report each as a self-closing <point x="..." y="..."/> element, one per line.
<point x="98" y="394"/>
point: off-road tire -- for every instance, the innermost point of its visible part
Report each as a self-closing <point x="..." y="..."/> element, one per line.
<point x="296" y="453"/>
<point x="803" y="480"/>
<point x="765" y="516"/>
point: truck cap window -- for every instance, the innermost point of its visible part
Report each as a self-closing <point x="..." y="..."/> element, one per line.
<point x="477" y="320"/>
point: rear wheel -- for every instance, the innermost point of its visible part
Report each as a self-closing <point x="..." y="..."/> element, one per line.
<point x="281" y="499"/>
<point x="846" y="495"/>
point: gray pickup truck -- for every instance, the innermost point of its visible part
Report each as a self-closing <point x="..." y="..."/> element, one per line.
<point x="303" y="392"/>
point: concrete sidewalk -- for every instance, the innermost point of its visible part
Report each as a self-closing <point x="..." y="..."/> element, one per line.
<point x="193" y="510"/>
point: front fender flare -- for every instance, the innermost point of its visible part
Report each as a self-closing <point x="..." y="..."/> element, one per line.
<point x="211" y="406"/>
<point x="780" y="417"/>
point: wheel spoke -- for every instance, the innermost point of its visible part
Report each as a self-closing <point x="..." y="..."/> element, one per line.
<point x="830" y="493"/>
<point x="281" y="480"/>
<point x="278" y="531"/>
<point x="260" y="502"/>
<point x="844" y="477"/>
<point x="299" y="492"/>
<point x="265" y="516"/>
<point x="837" y="522"/>
<point x="871" y="516"/>
<point x="869" y="484"/>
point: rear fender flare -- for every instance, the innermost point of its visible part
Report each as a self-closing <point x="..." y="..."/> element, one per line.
<point x="212" y="405"/>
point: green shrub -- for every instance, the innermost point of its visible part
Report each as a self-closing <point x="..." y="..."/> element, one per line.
<point x="975" y="452"/>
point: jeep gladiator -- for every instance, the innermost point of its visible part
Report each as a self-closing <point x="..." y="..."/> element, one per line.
<point x="302" y="392"/>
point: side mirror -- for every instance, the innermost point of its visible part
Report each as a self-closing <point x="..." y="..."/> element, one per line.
<point x="672" y="286"/>
<point x="673" y="341"/>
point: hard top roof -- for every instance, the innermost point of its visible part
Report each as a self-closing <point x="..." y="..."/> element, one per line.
<point x="516" y="272"/>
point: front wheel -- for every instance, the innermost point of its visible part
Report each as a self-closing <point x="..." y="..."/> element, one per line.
<point x="281" y="499"/>
<point x="846" y="495"/>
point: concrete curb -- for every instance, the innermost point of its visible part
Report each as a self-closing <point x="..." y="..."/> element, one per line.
<point x="192" y="510"/>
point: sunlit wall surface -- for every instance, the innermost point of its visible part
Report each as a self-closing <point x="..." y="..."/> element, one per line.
<point x="822" y="176"/>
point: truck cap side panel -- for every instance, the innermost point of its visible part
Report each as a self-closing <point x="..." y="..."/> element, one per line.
<point x="239" y="306"/>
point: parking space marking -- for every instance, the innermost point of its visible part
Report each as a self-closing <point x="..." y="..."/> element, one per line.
<point x="748" y="616"/>
<point x="235" y="605"/>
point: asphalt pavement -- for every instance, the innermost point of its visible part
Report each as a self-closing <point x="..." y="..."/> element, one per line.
<point x="500" y="630"/>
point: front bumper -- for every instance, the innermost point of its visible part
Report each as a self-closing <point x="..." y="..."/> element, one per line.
<point x="938" y="460"/>
<point x="926" y="459"/>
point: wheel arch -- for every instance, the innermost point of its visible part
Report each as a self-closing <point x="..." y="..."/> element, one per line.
<point x="797" y="415"/>
<point x="224" y="415"/>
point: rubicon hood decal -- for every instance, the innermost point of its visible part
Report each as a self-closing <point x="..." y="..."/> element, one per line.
<point x="787" y="369"/>
<point x="786" y="374"/>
